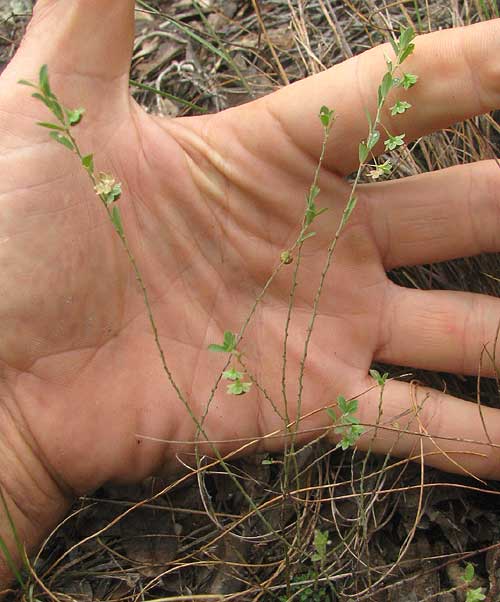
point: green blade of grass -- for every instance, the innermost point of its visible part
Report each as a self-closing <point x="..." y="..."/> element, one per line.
<point x="3" y="546"/>
<point x="181" y="101"/>
<point x="4" y="550"/>
<point x="208" y="45"/>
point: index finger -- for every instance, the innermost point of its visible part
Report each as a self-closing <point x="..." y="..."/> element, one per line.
<point x="459" y="77"/>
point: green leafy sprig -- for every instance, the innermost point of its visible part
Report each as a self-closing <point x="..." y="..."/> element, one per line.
<point x="321" y="542"/>
<point x="347" y="424"/>
<point x="327" y="119"/>
<point x="403" y="48"/>
<point x="473" y="594"/>
<point x="228" y="344"/>
<point x="380" y="378"/>
<point x="237" y="386"/>
<point x="105" y="185"/>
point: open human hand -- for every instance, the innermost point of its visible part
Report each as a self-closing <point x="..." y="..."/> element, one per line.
<point x="208" y="205"/>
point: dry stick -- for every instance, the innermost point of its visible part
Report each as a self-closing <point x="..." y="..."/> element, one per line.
<point x="262" y="389"/>
<point x="263" y="27"/>
<point x="334" y="24"/>
<point x="478" y="391"/>
<point x="422" y="428"/>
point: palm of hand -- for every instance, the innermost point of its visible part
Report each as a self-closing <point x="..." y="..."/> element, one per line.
<point x="207" y="209"/>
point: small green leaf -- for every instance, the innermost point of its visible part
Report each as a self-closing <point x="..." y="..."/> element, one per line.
<point x="469" y="572"/>
<point x="475" y="595"/>
<point x="232" y="374"/>
<point x="50" y="126"/>
<point x="373" y="138"/>
<point x="400" y="107"/>
<point x="74" y="116"/>
<point x="357" y="431"/>
<point x="42" y="98"/>
<point x="351" y="204"/>
<point x="113" y="195"/>
<point x="342" y="403"/>
<point x="406" y="37"/>
<point x="394" y="142"/>
<point x="227" y="346"/>
<point x="350" y="419"/>
<point x="43" y="81"/>
<point x="313" y="193"/>
<point x="320" y="543"/>
<point x="219" y="348"/>
<point x="52" y="104"/>
<point x="395" y="46"/>
<point x="386" y="167"/>
<point x="406" y="53"/>
<point x="88" y="163"/>
<point x="385" y="86"/>
<point x="368" y="118"/>
<point x="25" y="82"/>
<point x="312" y="213"/>
<point x="306" y="236"/>
<point x="326" y="116"/>
<point x="62" y="139"/>
<point x="116" y="219"/>
<point x="408" y="80"/>
<point x="331" y="414"/>
<point x="381" y="379"/>
<point x="309" y="216"/>
<point x="352" y="406"/>
<point x="238" y="388"/>
<point x="229" y="340"/>
<point x="363" y="152"/>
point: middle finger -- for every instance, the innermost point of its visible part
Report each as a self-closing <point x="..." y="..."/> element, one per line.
<point x="436" y="216"/>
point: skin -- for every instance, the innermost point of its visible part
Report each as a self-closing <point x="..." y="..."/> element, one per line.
<point x="208" y="205"/>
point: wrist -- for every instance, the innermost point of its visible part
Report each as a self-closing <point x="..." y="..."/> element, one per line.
<point x="36" y="501"/>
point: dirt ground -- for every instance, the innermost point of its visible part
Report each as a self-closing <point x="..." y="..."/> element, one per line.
<point x="394" y="533"/>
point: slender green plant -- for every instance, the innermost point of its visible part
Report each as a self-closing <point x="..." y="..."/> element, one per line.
<point x="393" y="78"/>
<point x="237" y="386"/>
<point x="346" y="423"/>
<point x="239" y="380"/>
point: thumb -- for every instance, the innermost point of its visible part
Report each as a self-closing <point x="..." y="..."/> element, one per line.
<point x="78" y="39"/>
